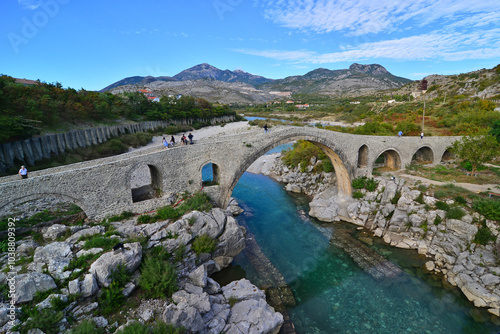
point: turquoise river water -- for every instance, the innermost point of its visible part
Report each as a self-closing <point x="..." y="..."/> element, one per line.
<point x="333" y="294"/>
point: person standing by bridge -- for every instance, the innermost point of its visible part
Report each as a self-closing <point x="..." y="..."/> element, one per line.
<point x="265" y="128"/>
<point x="23" y="172"/>
<point x="190" y="136"/>
<point x="172" y="141"/>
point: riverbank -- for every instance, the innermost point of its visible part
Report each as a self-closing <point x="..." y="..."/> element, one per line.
<point x="406" y="217"/>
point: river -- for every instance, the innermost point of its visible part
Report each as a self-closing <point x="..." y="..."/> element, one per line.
<point x="333" y="294"/>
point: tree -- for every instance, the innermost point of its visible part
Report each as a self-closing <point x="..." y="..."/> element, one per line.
<point x="477" y="149"/>
<point x="495" y="130"/>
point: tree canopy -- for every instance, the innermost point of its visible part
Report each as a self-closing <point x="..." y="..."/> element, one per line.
<point x="477" y="149"/>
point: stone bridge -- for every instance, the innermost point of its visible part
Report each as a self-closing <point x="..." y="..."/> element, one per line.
<point x="103" y="187"/>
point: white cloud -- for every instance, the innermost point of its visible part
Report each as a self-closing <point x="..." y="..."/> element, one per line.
<point x="30" y="4"/>
<point x="359" y="17"/>
<point x="432" y="46"/>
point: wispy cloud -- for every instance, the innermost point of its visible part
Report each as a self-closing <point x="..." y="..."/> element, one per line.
<point x="30" y="4"/>
<point x="359" y="17"/>
<point x="432" y="46"/>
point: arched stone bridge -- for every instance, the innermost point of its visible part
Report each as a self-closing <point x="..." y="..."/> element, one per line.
<point x="103" y="187"/>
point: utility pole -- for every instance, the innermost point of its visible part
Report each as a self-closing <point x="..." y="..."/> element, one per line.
<point x="423" y="116"/>
<point x="444" y="97"/>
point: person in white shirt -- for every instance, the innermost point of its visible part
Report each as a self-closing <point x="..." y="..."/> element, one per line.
<point x="23" y="172"/>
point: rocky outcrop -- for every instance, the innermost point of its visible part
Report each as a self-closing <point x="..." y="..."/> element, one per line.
<point x="413" y="223"/>
<point x="199" y="305"/>
<point x="27" y="285"/>
<point x="129" y="256"/>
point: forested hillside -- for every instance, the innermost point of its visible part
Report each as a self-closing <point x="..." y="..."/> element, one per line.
<point x="26" y="110"/>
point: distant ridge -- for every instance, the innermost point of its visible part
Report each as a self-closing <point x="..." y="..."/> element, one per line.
<point x="211" y="83"/>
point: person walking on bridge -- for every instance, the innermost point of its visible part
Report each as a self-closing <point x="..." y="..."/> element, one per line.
<point x="172" y="141"/>
<point x="265" y="128"/>
<point x="190" y="136"/>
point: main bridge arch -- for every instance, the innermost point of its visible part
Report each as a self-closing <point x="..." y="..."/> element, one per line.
<point x="343" y="168"/>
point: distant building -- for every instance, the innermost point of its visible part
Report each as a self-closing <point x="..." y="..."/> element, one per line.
<point x="290" y="102"/>
<point x="354" y="102"/>
<point x="391" y="101"/>
<point x="423" y="85"/>
<point x="302" y="106"/>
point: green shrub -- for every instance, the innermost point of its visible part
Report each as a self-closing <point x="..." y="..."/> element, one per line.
<point x="87" y="327"/>
<point x="437" y="220"/>
<point x="420" y="198"/>
<point x="357" y="194"/>
<point x="158" y="278"/>
<point x="204" y="244"/>
<point x="167" y="212"/>
<point x="124" y="215"/>
<point x="327" y="166"/>
<point x="158" y="328"/>
<point x="45" y="320"/>
<point x="439" y="194"/>
<point x="146" y="219"/>
<point x="460" y="200"/>
<point x="371" y="184"/>
<point x="483" y="235"/>
<point x="179" y="252"/>
<point x="99" y="241"/>
<point x="4" y="246"/>
<point x="455" y="213"/>
<point x="489" y="208"/>
<point x="111" y="298"/>
<point x="359" y="183"/>
<point x="442" y="206"/>
<point x="396" y="197"/>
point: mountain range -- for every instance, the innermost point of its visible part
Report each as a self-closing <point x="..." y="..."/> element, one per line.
<point x="237" y="86"/>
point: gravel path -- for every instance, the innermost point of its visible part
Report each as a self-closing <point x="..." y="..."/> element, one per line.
<point x="476" y="188"/>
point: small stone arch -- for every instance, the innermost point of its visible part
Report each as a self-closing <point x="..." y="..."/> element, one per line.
<point x="145" y="182"/>
<point x="33" y="197"/>
<point x="363" y="156"/>
<point x="389" y="159"/>
<point x="447" y="155"/>
<point x="210" y="174"/>
<point x="424" y="155"/>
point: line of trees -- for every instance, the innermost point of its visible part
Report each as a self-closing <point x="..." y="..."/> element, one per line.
<point x="25" y="110"/>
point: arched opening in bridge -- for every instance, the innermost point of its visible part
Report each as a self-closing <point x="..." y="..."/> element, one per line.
<point x="363" y="156"/>
<point x="336" y="175"/>
<point x="33" y="210"/>
<point x="145" y="183"/>
<point x="447" y="155"/>
<point x="423" y="156"/>
<point x="210" y="174"/>
<point x="388" y="160"/>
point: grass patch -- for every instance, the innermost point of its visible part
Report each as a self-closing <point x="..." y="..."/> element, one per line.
<point x="158" y="328"/>
<point x="489" y="208"/>
<point x="87" y="327"/>
<point x="99" y="241"/>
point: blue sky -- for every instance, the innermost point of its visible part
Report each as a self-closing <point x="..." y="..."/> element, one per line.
<point x="91" y="44"/>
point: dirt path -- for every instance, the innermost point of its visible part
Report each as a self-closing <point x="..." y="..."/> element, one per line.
<point x="476" y="188"/>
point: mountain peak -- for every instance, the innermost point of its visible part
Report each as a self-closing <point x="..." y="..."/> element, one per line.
<point x="374" y="69"/>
